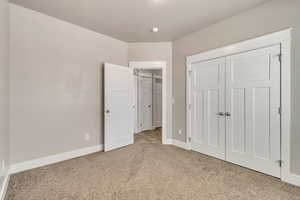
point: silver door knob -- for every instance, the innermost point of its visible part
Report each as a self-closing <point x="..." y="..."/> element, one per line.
<point x="228" y="114"/>
<point x="221" y="114"/>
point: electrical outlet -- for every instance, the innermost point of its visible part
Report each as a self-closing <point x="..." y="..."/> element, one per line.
<point x="180" y="131"/>
<point x="87" y="136"/>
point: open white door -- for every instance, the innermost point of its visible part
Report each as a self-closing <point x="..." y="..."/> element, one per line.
<point x="119" y="104"/>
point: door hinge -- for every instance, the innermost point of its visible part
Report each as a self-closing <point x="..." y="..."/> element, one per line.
<point x="189" y="139"/>
<point x="190" y="72"/>
<point x="279" y="111"/>
<point x="190" y="106"/>
<point x="280" y="162"/>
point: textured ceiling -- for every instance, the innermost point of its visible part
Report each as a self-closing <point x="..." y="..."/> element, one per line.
<point x="132" y="20"/>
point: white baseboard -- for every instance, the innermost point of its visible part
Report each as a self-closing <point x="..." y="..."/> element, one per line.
<point x="180" y="144"/>
<point x="3" y="189"/>
<point x="27" y="165"/>
<point x="168" y="141"/>
<point x="292" y="179"/>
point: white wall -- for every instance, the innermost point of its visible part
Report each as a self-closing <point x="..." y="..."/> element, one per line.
<point x="55" y="94"/>
<point x="160" y="51"/>
<point x="270" y="17"/>
<point x="4" y="88"/>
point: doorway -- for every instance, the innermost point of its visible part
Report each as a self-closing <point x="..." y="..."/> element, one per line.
<point x="150" y="98"/>
<point x="148" y="103"/>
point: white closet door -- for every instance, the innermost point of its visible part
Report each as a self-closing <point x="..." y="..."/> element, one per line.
<point x="253" y="100"/>
<point x="146" y="103"/>
<point x="207" y="104"/>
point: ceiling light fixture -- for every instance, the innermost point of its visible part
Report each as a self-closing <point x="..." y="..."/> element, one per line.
<point x="154" y="29"/>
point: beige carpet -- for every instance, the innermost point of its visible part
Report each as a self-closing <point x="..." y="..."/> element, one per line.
<point x="147" y="170"/>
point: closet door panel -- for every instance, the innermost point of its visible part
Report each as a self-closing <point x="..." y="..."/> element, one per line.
<point x="252" y="101"/>
<point x="207" y="102"/>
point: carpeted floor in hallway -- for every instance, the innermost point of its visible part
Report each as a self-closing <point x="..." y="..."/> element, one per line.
<point x="147" y="170"/>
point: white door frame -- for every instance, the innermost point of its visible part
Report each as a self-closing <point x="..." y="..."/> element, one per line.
<point x="163" y="66"/>
<point x="282" y="38"/>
